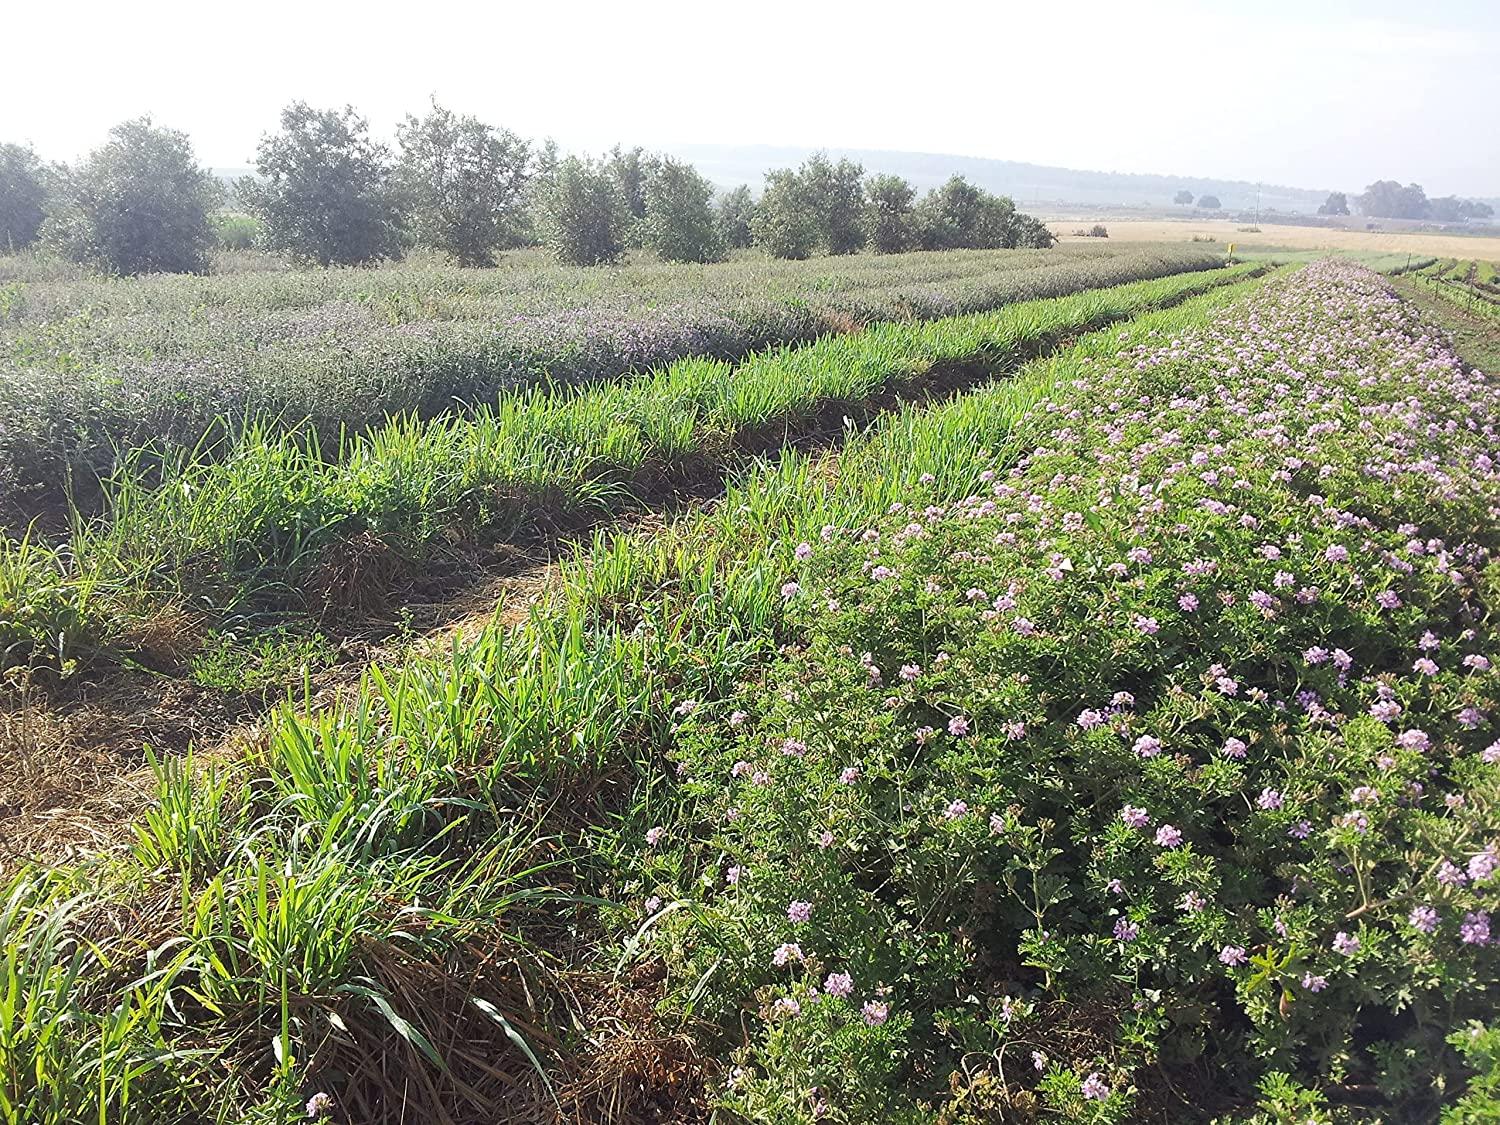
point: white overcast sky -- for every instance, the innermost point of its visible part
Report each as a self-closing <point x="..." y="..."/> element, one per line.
<point x="1312" y="93"/>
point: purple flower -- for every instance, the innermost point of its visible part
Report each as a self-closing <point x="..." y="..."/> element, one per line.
<point x="798" y="911"/>
<point x="1301" y="830"/>
<point x="1483" y="865"/>
<point x="320" y="1105"/>
<point x="804" y="551"/>
<point x="1233" y="955"/>
<point x="1347" y="944"/>
<point x="1188" y="602"/>
<point x="1147" y="747"/>
<point x="1126" y="930"/>
<point x="1147" y="626"/>
<point x="1314" y="983"/>
<point x="875" y="1012"/>
<point x="1094" y="1088"/>
<point x="654" y="835"/>
<point x="1191" y="903"/>
<point x="1088" y="719"/>
<point x="790" y="590"/>
<point x="1115" y="887"/>
<point x="793" y="747"/>
<point x="1134" y="817"/>
<point x="849" y="775"/>
<point x="1168" y="837"/>
<point x="958" y="726"/>
<point x="1233" y="748"/>
<point x="910" y="672"/>
<point x="1450" y="875"/>
<point x="1475" y="928"/>
<point x="1425" y="666"/>
<point x="786" y="951"/>
<point x="1336" y="553"/>
<point x="839" y="985"/>
<point x="1413" y="740"/>
<point x="1424" y="918"/>
<point x="956" y="810"/>
<point x="1269" y="799"/>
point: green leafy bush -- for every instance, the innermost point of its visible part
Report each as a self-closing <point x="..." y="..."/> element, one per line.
<point x="139" y="204"/>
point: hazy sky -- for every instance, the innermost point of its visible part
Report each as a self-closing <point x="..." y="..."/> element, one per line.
<point x="1312" y="93"/>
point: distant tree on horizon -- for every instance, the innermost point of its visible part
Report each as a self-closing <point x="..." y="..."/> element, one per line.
<point x="1208" y="202"/>
<point x="891" y="213"/>
<point x="463" y="183"/>
<point x="1336" y="204"/>
<point x="734" y="216"/>
<point x="23" y="197"/>
<point x="1184" y="197"/>
<point x="1387" y="199"/>
<point x="679" y="220"/>
<point x="584" y="213"/>
<point x="324" y="193"/>
<point x="139" y="204"/>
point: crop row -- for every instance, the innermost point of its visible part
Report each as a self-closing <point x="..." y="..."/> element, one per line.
<point x="366" y="887"/>
<point x="91" y="367"/>
<point x="276" y="514"/>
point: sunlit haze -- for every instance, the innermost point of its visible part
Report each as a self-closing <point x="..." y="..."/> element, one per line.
<point x="1311" y="94"/>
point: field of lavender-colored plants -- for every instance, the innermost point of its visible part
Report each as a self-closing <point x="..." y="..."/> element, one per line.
<point x="1110" y="738"/>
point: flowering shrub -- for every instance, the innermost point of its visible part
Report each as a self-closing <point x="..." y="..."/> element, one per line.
<point x="1165" y="761"/>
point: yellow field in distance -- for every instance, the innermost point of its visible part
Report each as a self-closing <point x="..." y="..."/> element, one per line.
<point x="1290" y="237"/>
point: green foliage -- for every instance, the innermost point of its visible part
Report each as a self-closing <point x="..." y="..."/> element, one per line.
<point x="959" y="215"/>
<point x="891" y="215"/>
<point x="819" y="208"/>
<point x="463" y="184"/>
<point x="323" y="193"/>
<point x="1387" y="199"/>
<point x="735" y="215"/>
<point x="139" y="204"/>
<point x="23" y="196"/>
<point x="236" y="232"/>
<point x="679" y="223"/>
<point x="585" y="215"/>
<point x="1183" y="197"/>
<point x="1337" y="203"/>
<point x="838" y="193"/>
<point x="785" y="223"/>
<point x="262" y="661"/>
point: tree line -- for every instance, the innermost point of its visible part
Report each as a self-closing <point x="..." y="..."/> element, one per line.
<point x="326" y="192"/>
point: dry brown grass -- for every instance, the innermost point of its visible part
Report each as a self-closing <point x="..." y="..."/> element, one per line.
<point x="1294" y="237"/>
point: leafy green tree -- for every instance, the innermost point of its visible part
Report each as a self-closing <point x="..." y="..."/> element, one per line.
<point x="838" y="196"/>
<point x="324" y="193"/>
<point x="139" y="204"/>
<point x="820" y="206"/>
<point x="891" y="213"/>
<point x="464" y="184"/>
<point x="1183" y="197"/>
<point x="1337" y="203"/>
<point x="735" y="215"/>
<point x="23" y="197"/>
<point x="786" y="222"/>
<point x="1208" y="202"/>
<point x="679" y="221"/>
<point x="584" y="213"/>
<point x="1451" y="209"/>
<point x="1387" y="199"/>
<point x="960" y="215"/>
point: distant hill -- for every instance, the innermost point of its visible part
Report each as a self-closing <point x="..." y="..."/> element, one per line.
<point x="1026" y="183"/>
